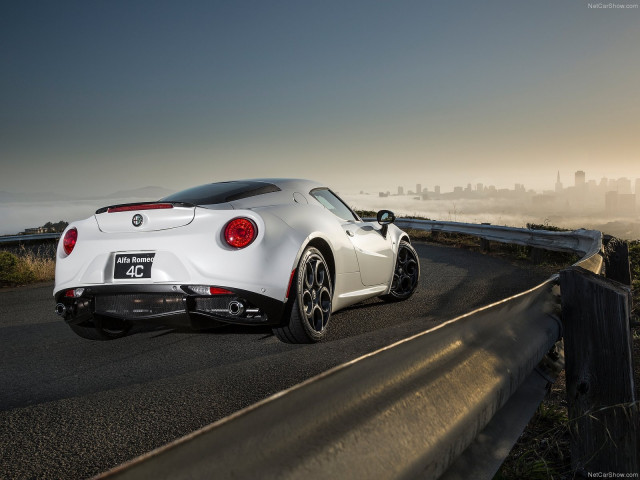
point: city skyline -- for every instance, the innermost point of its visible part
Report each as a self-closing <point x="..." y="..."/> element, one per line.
<point x="100" y="97"/>
<point x="580" y="178"/>
<point x="594" y="204"/>
<point x="617" y="198"/>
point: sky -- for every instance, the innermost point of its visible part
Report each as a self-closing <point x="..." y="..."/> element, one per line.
<point x="101" y="96"/>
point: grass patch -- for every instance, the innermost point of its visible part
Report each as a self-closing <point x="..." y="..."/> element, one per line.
<point x="458" y="240"/>
<point x="546" y="226"/>
<point x="25" y="266"/>
<point x="542" y="451"/>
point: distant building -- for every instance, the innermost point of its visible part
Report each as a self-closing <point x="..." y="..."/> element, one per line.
<point x="558" y="183"/>
<point x="436" y="189"/>
<point x="624" y="185"/>
<point x="383" y="194"/>
<point x="603" y="186"/>
<point x="418" y="189"/>
<point x="32" y="231"/>
<point x="579" y="179"/>
<point x="400" y="190"/>
<point x="457" y="189"/>
<point x="626" y="203"/>
<point x="620" y="203"/>
<point x="479" y="187"/>
<point x="543" y="199"/>
<point x="637" y="188"/>
<point x="611" y="202"/>
<point x="48" y="227"/>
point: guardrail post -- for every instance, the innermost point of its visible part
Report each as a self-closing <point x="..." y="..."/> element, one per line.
<point x="537" y="255"/>
<point x="616" y="260"/>
<point x="603" y="413"/>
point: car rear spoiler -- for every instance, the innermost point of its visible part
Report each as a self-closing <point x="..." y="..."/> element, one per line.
<point x="142" y="206"/>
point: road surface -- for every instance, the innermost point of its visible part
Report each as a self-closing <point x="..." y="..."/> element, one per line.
<point x="72" y="408"/>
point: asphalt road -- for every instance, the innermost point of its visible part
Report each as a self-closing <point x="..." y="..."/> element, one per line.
<point x="72" y="408"/>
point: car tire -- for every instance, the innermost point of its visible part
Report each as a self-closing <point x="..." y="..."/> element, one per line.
<point x="311" y="306"/>
<point x="406" y="274"/>
<point x="102" y="329"/>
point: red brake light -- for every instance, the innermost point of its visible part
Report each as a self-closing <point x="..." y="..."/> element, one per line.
<point x="142" y="206"/>
<point x="69" y="240"/>
<point x="219" y="291"/>
<point x="240" y="232"/>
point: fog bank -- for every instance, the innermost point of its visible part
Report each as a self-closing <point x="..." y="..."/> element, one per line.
<point x="501" y="211"/>
<point x="16" y="216"/>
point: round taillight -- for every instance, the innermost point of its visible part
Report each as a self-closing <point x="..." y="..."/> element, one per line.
<point x="69" y="240"/>
<point x="240" y="232"/>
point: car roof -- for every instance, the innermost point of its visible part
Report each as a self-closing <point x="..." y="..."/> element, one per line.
<point x="244" y="193"/>
<point x="288" y="187"/>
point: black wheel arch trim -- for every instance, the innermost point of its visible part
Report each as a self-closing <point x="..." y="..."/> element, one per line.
<point x="322" y="244"/>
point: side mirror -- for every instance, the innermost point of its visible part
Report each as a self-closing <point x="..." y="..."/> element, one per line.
<point x="385" y="217"/>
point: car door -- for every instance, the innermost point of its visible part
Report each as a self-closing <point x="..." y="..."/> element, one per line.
<point x="374" y="252"/>
<point x="373" y="249"/>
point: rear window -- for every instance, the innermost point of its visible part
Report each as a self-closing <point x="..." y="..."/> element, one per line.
<point x="221" y="192"/>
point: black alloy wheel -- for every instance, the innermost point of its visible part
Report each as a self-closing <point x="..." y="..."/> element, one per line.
<point x="406" y="274"/>
<point x="311" y="308"/>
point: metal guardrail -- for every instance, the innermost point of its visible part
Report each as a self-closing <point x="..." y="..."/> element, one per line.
<point x="587" y="243"/>
<point x="36" y="237"/>
<point x="408" y="410"/>
<point x="577" y="241"/>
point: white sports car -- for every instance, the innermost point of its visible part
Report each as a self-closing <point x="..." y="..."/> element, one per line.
<point x="279" y="252"/>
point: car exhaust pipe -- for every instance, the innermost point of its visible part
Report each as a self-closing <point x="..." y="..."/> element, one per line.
<point x="236" y="308"/>
<point x="61" y="309"/>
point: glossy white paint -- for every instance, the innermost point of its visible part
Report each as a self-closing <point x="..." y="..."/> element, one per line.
<point x="152" y="220"/>
<point x="190" y="248"/>
<point x="373" y="251"/>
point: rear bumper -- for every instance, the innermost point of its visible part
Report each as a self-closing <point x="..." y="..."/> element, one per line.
<point x="167" y="305"/>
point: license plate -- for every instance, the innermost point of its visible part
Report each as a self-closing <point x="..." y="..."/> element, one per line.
<point x="133" y="265"/>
